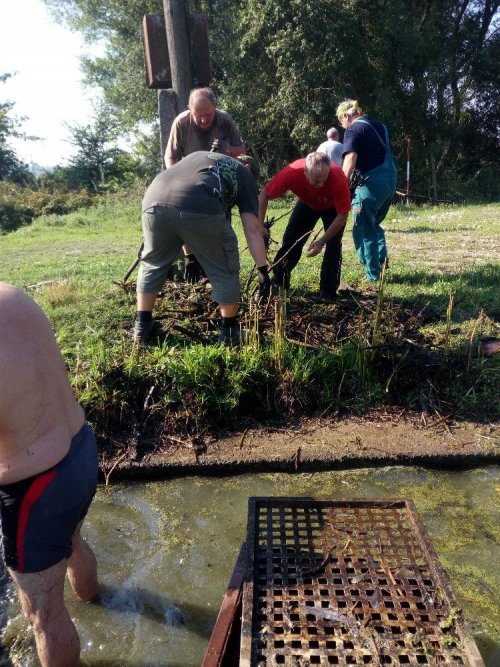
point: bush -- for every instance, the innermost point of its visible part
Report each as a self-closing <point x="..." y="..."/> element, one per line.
<point x="20" y="205"/>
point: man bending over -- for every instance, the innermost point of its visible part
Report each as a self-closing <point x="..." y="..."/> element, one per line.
<point x="48" y="477"/>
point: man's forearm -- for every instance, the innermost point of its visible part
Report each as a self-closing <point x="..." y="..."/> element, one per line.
<point x="256" y="247"/>
<point x="254" y="238"/>
<point x="338" y="223"/>
<point x="263" y="200"/>
<point x="349" y="164"/>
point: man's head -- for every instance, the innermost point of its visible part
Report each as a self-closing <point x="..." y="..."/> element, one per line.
<point x="333" y="134"/>
<point x="202" y="107"/>
<point x="317" y="169"/>
<point x="347" y="111"/>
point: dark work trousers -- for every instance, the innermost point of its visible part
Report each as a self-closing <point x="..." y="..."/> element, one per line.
<point x="300" y="226"/>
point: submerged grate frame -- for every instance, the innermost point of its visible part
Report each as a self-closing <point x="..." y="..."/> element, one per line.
<point x="368" y="566"/>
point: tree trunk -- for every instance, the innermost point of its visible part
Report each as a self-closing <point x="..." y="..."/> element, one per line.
<point x="434" y="178"/>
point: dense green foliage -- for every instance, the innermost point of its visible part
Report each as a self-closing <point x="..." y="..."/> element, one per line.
<point x="99" y="164"/>
<point x="20" y="205"/>
<point x="428" y="68"/>
<point x="98" y="167"/>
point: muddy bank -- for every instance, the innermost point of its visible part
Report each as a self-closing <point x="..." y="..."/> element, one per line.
<point x="380" y="438"/>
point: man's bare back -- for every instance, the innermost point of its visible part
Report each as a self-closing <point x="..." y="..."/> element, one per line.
<point x="38" y="412"/>
<point x="48" y="477"/>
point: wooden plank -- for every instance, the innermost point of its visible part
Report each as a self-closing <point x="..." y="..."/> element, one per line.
<point x="167" y="111"/>
<point x="156" y="62"/>
<point x="216" y="654"/>
<point x="201" y="70"/>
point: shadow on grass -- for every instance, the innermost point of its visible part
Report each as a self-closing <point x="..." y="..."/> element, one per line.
<point x="475" y="289"/>
<point x="421" y="229"/>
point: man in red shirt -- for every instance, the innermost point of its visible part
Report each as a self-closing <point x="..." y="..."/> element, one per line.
<point x="323" y="192"/>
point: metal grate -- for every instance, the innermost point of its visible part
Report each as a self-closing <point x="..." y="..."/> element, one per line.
<point x="351" y="582"/>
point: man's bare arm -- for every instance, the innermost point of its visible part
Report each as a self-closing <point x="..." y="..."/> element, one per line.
<point x="349" y="164"/>
<point x="263" y="201"/>
<point x="255" y="240"/>
<point x="337" y="224"/>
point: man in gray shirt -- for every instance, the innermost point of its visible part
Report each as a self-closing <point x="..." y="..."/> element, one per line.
<point x="189" y="203"/>
<point x="332" y="147"/>
<point x="201" y="128"/>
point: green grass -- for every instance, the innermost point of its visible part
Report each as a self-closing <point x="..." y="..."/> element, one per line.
<point x="68" y="265"/>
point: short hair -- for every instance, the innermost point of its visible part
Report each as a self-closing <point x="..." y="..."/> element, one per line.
<point x="205" y="93"/>
<point x="332" y="133"/>
<point x="316" y="160"/>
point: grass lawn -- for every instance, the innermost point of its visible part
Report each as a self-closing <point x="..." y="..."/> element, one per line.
<point x="443" y="261"/>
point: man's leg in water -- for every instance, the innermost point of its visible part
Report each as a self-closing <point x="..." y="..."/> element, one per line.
<point x="42" y="600"/>
<point x="82" y="568"/>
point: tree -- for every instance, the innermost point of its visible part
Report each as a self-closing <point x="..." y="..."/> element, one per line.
<point x="11" y="167"/>
<point x="299" y="73"/>
<point x="429" y="68"/>
<point x="98" y="160"/>
<point x="444" y="87"/>
<point x="416" y="65"/>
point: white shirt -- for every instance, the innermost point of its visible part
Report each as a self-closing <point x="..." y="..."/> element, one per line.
<point x="333" y="149"/>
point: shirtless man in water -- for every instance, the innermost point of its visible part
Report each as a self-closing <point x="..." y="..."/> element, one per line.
<point x="48" y="477"/>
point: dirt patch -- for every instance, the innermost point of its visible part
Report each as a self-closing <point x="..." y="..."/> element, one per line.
<point x="380" y="438"/>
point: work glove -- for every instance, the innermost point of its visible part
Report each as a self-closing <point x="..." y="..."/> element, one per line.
<point x="193" y="270"/>
<point x="355" y="181"/>
<point x="266" y="231"/>
<point x="264" y="287"/>
<point x="221" y="146"/>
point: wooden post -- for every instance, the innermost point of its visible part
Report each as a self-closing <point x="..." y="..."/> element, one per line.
<point x="167" y="111"/>
<point x="178" y="49"/>
<point x="434" y="178"/>
<point x="408" y="171"/>
<point x="176" y="59"/>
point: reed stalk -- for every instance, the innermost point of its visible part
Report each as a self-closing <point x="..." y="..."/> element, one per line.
<point x="449" y="313"/>
<point x="279" y="331"/>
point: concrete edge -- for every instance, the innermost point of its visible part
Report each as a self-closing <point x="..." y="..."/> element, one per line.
<point x="165" y="470"/>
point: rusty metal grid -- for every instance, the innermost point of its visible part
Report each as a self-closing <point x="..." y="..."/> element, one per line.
<point x="350" y="582"/>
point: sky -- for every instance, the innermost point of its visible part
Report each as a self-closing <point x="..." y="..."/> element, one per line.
<point x="46" y="86"/>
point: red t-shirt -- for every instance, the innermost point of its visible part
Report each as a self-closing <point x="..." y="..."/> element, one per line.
<point x="333" y="194"/>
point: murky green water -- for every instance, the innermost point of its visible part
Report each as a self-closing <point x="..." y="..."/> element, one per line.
<point x="166" y="551"/>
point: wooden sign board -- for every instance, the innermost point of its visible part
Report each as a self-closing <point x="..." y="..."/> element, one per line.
<point x="201" y="71"/>
<point x="154" y="39"/>
<point x="156" y="61"/>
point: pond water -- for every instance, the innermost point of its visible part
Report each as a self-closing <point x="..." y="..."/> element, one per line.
<point x="166" y="550"/>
